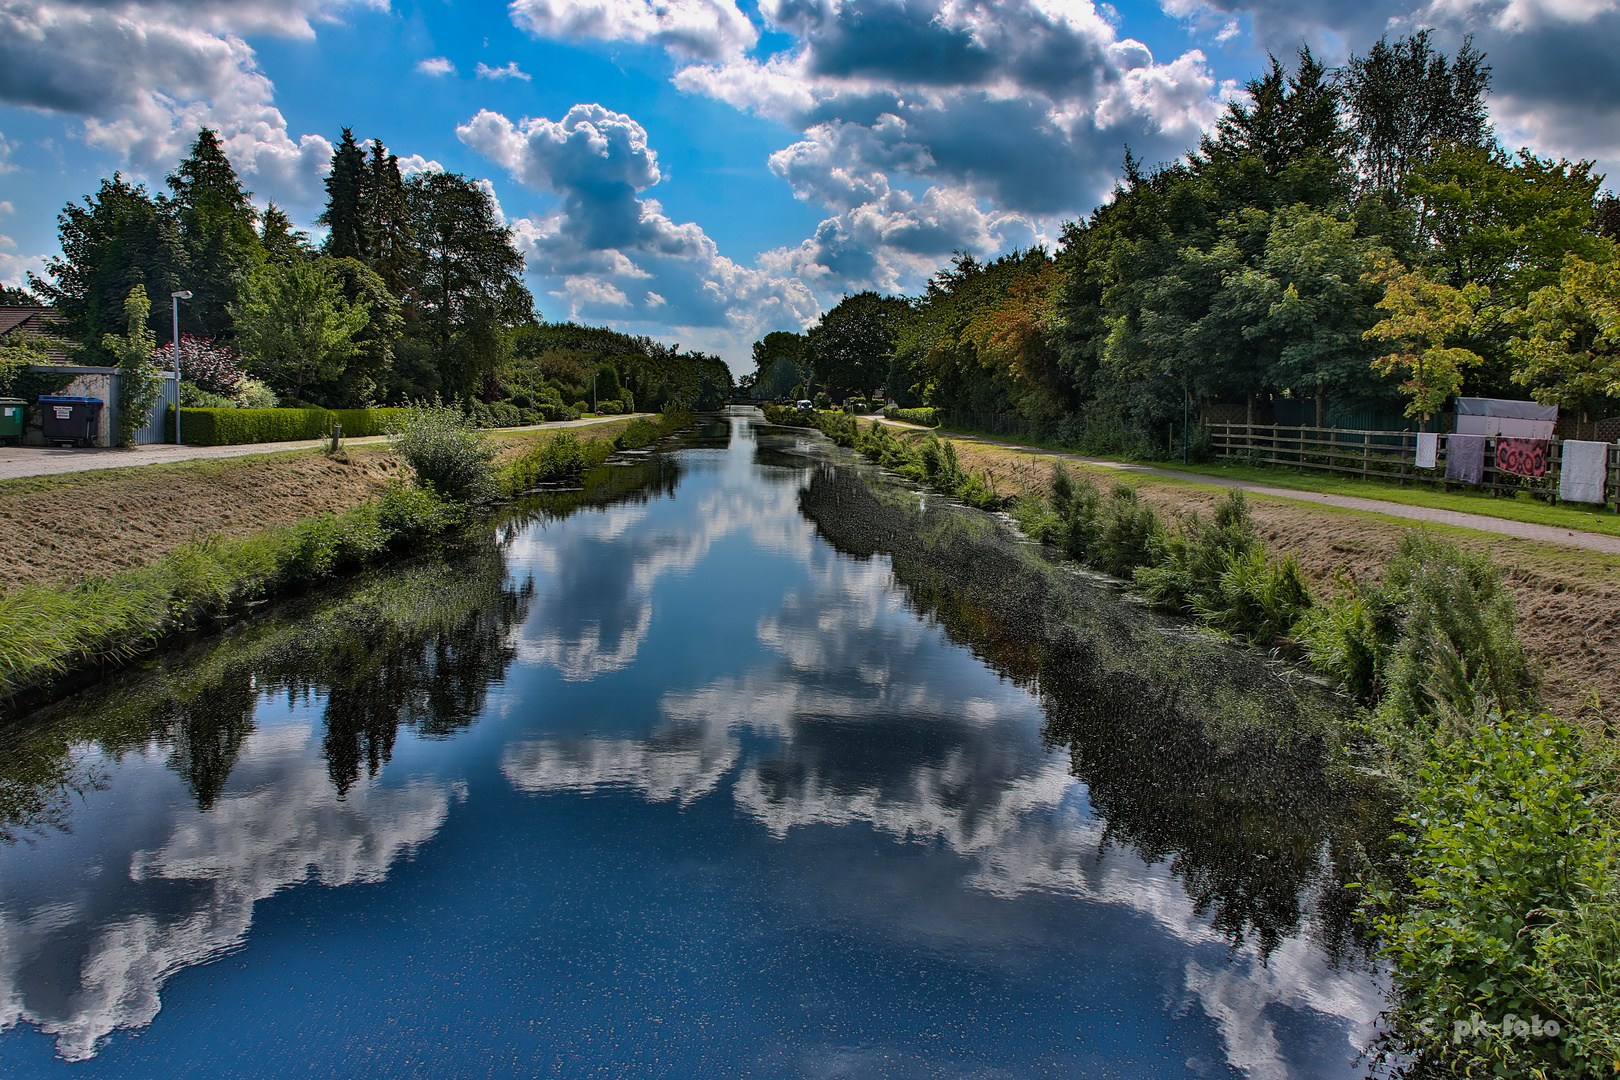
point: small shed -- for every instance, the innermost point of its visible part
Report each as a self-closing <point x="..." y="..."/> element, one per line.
<point x="1502" y="416"/>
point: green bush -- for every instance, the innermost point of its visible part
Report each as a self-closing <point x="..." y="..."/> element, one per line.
<point x="1185" y="572"/>
<point x="1509" y="910"/>
<point x="1130" y="532"/>
<point x="923" y="417"/>
<point x="238" y="427"/>
<point x="446" y="452"/>
<point x="557" y="457"/>
<point x="1256" y="598"/>
<point x="408" y="512"/>
<point x="323" y="545"/>
<point x="363" y="423"/>
<point x="1435" y="637"/>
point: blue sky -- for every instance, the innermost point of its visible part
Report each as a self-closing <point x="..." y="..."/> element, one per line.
<point x="706" y="171"/>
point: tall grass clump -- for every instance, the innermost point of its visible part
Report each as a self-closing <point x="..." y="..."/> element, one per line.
<point x="1505" y="932"/>
<point x="446" y="452"/>
<point x="1434" y="638"/>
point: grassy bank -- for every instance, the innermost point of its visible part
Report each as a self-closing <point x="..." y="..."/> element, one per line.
<point x="1500" y="911"/>
<point x="1520" y="507"/>
<point x="48" y="630"/>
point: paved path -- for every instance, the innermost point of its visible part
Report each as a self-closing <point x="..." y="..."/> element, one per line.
<point x="20" y="461"/>
<point x="1522" y="530"/>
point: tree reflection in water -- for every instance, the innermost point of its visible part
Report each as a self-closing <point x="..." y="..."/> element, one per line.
<point x="416" y="645"/>
<point x="1191" y="750"/>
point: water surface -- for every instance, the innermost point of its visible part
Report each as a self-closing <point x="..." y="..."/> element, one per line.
<point x="743" y="761"/>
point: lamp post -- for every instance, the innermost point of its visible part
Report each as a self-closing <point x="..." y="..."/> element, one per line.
<point x="183" y="294"/>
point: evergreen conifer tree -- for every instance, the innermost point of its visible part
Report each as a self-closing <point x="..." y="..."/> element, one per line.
<point x="345" y="216"/>
<point x="216" y="224"/>
<point x="283" y="244"/>
<point x="392" y="247"/>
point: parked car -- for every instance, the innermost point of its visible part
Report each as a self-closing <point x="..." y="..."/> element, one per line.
<point x="805" y="406"/>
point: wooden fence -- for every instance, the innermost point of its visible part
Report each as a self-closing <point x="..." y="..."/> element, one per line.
<point x="1380" y="455"/>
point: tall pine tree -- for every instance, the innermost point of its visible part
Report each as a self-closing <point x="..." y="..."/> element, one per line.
<point x="391" y="244"/>
<point x="216" y="223"/>
<point x="345" y="216"/>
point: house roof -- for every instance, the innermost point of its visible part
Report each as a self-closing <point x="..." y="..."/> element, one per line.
<point x="41" y="321"/>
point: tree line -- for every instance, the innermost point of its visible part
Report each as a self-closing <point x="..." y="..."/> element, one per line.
<point x="1348" y="239"/>
<point x="415" y="292"/>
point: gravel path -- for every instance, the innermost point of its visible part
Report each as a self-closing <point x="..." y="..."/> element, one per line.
<point x="20" y="461"/>
<point x="1548" y="534"/>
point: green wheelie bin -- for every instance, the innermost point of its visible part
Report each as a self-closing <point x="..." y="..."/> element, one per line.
<point x="13" y="413"/>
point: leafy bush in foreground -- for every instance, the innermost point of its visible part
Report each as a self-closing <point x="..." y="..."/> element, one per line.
<point x="446" y="452"/>
<point x="1510" y="914"/>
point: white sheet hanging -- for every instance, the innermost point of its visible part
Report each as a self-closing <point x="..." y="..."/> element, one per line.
<point x="1584" y="474"/>
<point x="1428" y="449"/>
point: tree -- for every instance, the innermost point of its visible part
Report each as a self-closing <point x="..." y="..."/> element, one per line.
<point x="1503" y="222"/>
<point x="17" y="296"/>
<point x="120" y="237"/>
<point x="1321" y="303"/>
<point x="390" y="243"/>
<point x="1422" y="316"/>
<point x="780" y="364"/>
<point x="140" y="382"/>
<point x="295" y="327"/>
<point x="1569" y="351"/>
<point x="849" y="349"/>
<point x="467" y="291"/>
<point x="1407" y="102"/>
<point x="215" y="222"/>
<point x="282" y="243"/>
<point x="344" y="216"/>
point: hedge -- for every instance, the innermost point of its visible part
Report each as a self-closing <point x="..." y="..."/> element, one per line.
<point x="234" y="427"/>
<point x="925" y="417"/>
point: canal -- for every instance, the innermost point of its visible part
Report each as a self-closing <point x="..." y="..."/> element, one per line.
<point x="743" y="760"/>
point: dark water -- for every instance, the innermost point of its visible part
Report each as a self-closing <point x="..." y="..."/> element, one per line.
<point x="741" y="762"/>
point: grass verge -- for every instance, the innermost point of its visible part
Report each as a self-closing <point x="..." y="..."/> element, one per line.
<point x="1521" y="507"/>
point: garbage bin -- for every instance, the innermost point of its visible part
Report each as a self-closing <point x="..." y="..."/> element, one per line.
<point x="12" y="414"/>
<point x="70" y="421"/>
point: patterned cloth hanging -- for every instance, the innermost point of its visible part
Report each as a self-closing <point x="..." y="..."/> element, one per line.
<point x="1523" y="457"/>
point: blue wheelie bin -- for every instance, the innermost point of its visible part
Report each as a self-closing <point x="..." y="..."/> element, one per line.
<point x="70" y="421"/>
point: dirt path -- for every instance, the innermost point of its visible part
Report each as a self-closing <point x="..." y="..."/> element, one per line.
<point x="1523" y="530"/>
<point x="21" y="461"/>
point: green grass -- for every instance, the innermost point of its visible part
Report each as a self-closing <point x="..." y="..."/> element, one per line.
<point x="1519" y="507"/>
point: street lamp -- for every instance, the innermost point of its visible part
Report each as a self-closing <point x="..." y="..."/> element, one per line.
<point x="183" y="294"/>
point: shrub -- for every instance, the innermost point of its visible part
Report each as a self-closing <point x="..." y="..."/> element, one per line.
<point x="1187" y="565"/>
<point x="325" y="544"/>
<point x="445" y="452"/>
<point x="407" y="512"/>
<point x="1130" y="532"/>
<point x="1256" y="598"/>
<point x="581" y="408"/>
<point x="237" y="427"/>
<point x="1510" y="909"/>
<point x="611" y="408"/>
<point x="561" y="455"/>
<point x="922" y="417"/>
<point x="1343" y="638"/>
